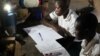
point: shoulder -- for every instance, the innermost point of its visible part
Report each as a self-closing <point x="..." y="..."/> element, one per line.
<point x="53" y="15"/>
<point x="96" y="50"/>
<point x="73" y="13"/>
<point x="97" y="37"/>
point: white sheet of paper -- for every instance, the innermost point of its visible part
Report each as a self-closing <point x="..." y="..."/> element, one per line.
<point x="58" y="52"/>
<point x="35" y="28"/>
<point x="52" y="47"/>
<point x="42" y="33"/>
<point x="47" y="46"/>
<point x="45" y="39"/>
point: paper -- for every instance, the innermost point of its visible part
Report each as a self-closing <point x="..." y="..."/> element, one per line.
<point x="42" y="33"/>
<point x="45" y="39"/>
<point x="52" y="47"/>
<point x="47" y="46"/>
<point x="58" y="52"/>
<point x="35" y="28"/>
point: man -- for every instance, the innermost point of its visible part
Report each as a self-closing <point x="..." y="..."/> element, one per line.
<point x="85" y="26"/>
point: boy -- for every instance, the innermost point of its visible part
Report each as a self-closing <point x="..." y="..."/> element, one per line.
<point x="86" y="30"/>
<point x="62" y="16"/>
<point x="63" y="20"/>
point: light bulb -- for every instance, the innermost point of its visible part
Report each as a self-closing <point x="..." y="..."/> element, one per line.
<point x="7" y="7"/>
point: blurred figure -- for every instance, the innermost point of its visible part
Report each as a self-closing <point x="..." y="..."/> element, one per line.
<point x="8" y="27"/>
<point x="62" y="20"/>
<point x="29" y="14"/>
<point x="97" y="12"/>
<point x="85" y="26"/>
<point x="93" y="7"/>
<point x="44" y="8"/>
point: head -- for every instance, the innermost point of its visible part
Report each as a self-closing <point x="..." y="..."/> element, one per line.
<point x="61" y="6"/>
<point x="45" y="7"/>
<point x="45" y="4"/>
<point x="85" y="26"/>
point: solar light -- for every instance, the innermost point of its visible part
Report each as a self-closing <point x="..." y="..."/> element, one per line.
<point x="7" y="7"/>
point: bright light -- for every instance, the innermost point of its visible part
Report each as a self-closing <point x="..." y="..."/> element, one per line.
<point x="7" y="7"/>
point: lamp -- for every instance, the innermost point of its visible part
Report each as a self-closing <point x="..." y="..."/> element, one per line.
<point x="7" y="7"/>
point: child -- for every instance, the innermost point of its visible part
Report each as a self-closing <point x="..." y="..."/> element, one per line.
<point x="63" y="19"/>
<point x="63" y="16"/>
<point x="44" y="8"/>
<point x="85" y="26"/>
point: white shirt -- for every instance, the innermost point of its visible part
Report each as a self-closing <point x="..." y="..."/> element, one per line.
<point x="92" y="48"/>
<point x="66" y="23"/>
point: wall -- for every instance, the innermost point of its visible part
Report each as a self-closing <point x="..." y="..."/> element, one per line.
<point x="75" y="4"/>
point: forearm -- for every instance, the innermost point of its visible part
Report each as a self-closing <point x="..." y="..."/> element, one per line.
<point x="49" y="24"/>
<point x="56" y="27"/>
<point x="63" y="31"/>
<point x="48" y="21"/>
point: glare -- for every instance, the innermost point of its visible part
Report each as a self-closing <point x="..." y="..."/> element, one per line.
<point x="7" y="7"/>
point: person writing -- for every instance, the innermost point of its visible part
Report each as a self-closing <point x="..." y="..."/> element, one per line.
<point x="62" y="20"/>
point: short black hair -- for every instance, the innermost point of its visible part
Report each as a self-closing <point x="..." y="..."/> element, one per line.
<point x="86" y="25"/>
<point x="64" y="4"/>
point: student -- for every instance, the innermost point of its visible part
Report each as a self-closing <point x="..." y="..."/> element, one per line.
<point x="63" y="16"/>
<point x="44" y="8"/>
<point x="62" y="20"/>
<point x="85" y="26"/>
<point x="93" y="7"/>
<point x="30" y="15"/>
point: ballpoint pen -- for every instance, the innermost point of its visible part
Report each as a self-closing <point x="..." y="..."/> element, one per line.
<point x="40" y="36"/>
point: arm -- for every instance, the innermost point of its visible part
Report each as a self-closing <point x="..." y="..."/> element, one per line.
<point x="54" y="25"/>
<point x="48" y="21"/>
<point x="67" y="39"/>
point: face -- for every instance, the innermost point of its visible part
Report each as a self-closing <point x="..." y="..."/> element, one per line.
<point x="45" y="5"/>
<point x="84" y="34"/>
<point x="79" y="32"/>
<point x="58" y="9"/>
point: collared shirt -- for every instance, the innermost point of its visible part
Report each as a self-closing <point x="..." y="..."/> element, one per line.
<point x="92" y="48"/>
<point x="68" y="22"/>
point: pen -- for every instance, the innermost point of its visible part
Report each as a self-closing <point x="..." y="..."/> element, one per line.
<point x="41" y="36"/>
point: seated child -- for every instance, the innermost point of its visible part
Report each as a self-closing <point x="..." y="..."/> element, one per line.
<point x="85" y="26"/>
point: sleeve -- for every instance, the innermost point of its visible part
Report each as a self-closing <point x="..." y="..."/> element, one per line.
<point x="96" y="50"/>
<point x="72" y="24"/>
<point x="53" y="15"/>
